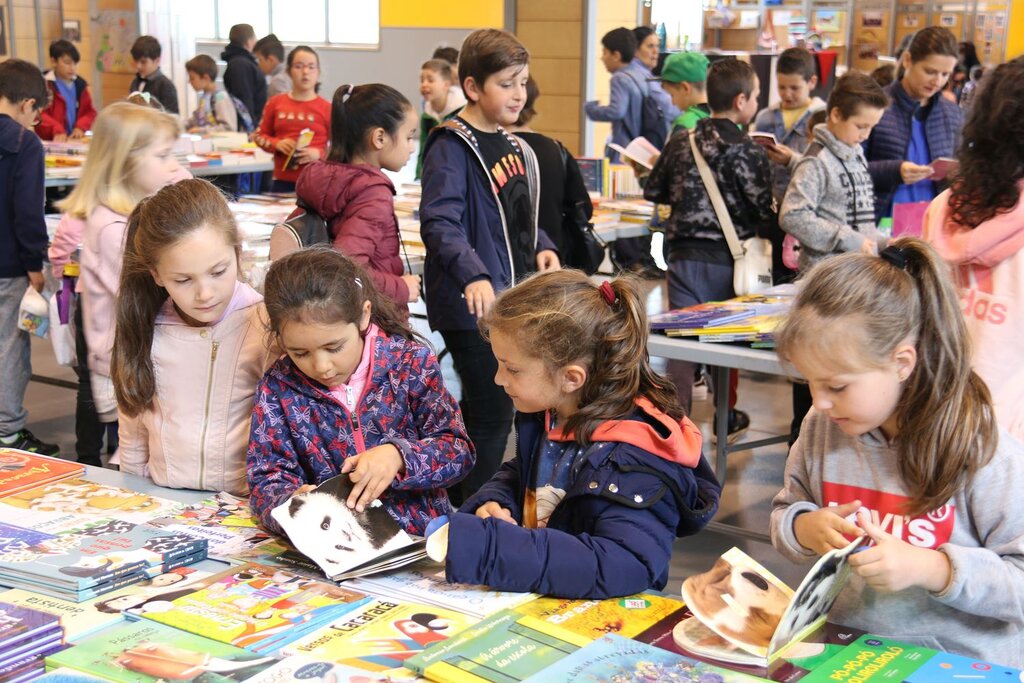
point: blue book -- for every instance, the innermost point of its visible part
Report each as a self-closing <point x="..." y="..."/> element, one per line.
<point x="18" y="624"/>
<point x="32" y="647"/>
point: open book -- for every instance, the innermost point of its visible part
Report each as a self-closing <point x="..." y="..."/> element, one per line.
<point x="763" y="138"/>
<point x="305" y="138"/>
<point x="639" y="150"/>
<point x="756" y="614"/>
<point x="343" y="542"/>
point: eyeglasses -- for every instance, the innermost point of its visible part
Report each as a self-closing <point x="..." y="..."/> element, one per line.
<point x="306" y="67"/>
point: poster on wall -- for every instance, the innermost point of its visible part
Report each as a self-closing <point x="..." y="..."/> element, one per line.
<point x="72" y="30"/>
<point x="911" y="21"/>
<point x="115" y="32"/>
<point x="871" y="19"/>
<point x="947" y="20"/>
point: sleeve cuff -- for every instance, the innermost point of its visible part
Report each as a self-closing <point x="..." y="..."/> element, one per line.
<point x="786" y="534"/>
<point x="956" y="578"/>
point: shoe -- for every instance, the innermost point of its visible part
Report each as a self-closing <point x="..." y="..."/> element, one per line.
<point x="27" y="441"/>
<point x="739" y="422"/>
<point x="700" y="390"/>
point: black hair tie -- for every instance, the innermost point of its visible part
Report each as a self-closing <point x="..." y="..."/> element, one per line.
<point x="896" y="256"/>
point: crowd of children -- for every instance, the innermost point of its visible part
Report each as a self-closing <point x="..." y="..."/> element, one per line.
<point x="202" y="382"/>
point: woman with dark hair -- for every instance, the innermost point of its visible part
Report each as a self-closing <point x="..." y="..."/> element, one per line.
<point x="968" y="56"/>
<point x="919" y="126"/>
<point x="978" y="227"/>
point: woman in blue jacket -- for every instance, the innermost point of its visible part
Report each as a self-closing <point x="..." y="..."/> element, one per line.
<point x="608" y="471"/>
<point x="919" y="126"/>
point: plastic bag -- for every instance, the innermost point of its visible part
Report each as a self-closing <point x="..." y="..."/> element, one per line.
<point x="34" y="314"/>
<point x="62" y="334"/>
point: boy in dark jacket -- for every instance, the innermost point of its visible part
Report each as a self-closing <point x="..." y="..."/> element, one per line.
<point x="70" y="112"/>
<point x="700" y="266"/>
<point x="243" y="78"/>
<point x="146" y="54"/>
<point x="22" y="241"/>
<point x="478" y="219"/>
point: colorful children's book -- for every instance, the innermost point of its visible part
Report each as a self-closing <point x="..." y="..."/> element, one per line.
<point x="277" y="552"/>
<point x="223" y="520"/>
<point x="66" y="675"/>
<point x="424" y="582"/>
<point x="297" y="669"/>
<point x="614" y="658"/>
<point x="69" y="502"/>
<point x="874" y="659"/>
<point x="255" y="607"/>
<point x="380" y="636"/>
<point x="20" y="625"/>
<point x="21" y="470"/>
<point x="343" y="542"/>
<point x="749" y="607"/>
<point x="627" y="616"/>
<point x="504" y="648"/>
<point x="146" y="652"/>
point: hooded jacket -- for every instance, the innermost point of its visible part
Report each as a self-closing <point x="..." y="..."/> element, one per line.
<point x="830" y="204"/>
<point x="642" y="483"/>
<point x="430" y="119"/>
<point x="22" y="226"/>
<point x="300" y="434"/>
<point x="743" y="174"/>
<point x="989" y="263"/>
<point x="357" y="201"/>
<point x="53" y="119"/>
<point x="195" y="434"/>
<point x="244" y="80"/>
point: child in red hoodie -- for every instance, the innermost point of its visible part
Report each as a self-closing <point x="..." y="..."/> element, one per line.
<point x="372" y="127"/>
<point x="608" y="471"/>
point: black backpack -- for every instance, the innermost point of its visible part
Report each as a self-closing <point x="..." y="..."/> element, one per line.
<point x="303" y="228"/>
<point x="653" y="120"/>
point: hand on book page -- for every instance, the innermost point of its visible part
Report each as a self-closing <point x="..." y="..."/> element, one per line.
<point x="892" y="564"/>
<point x="828" y="528"/>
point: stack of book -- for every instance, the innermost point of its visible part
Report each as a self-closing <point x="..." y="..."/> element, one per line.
<point x="752" y="318"/>
<point x="21" y="470"/>
<point x="27" y="636"/>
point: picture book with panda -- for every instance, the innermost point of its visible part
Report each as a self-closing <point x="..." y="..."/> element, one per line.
<point x="756" y="615"/>
<point x="345" y="543"/>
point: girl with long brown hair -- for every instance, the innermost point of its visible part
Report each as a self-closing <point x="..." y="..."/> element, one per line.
<point x="608" y="471"/>
<point x="902" y="446"/>
<point x="189" y="346"/>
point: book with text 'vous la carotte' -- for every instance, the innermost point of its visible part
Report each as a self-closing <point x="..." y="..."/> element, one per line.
<point x="21" y="470"/>
<point x="751" y="609"/>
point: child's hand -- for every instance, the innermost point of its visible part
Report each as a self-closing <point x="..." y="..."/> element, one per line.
<point x="779" y="153"/>
<point x="305" y="156"/>
<point x="77" y="134"/>
<point x="894" y="565"/>
<point x="285" y="146"/>
<point x="492" y="509"/>
<point x="823" y="529"/>
<point x="911" y="173"/>
<point x="413" y="283"/>
<point x="60" y="137"/>
<point x="479" y="296"/>
<point x="869" y="247"/>
<point x="371" y="472"/>
<point x="547" y="260"/>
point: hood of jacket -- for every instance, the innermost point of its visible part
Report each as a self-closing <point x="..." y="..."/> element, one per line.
<point x="243" y="297"/>
<point x="840" y="149"/>
<point x="456" y="100"/>
<point x="285" y="371"/>
<point x="232" y="51"/>
<point x="661" y="435"/>
<point x="328" y="187"/>
<point x="11" y="136"/>
<point x="986" y="245"/>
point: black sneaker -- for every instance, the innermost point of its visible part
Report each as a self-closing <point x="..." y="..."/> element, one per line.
<point x="739" y="422"/>
<point x="27" y="441"/>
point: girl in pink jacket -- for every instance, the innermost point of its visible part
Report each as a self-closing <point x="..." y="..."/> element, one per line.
<point x="978" y="227"/>
<point x="190" y="345"/>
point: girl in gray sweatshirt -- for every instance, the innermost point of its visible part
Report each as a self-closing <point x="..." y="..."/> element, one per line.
<point x="902" y="446"/>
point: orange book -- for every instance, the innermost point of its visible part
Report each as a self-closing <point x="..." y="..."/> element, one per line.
<point x="21" y="470"/>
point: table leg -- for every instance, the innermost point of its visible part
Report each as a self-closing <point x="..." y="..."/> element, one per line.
<point x="721" y="389"/>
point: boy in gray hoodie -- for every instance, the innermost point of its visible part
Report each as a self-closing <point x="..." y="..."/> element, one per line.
<point x="829" y="205"/>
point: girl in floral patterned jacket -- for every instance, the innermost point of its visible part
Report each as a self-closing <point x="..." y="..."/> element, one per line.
<point x="354" y="393"/>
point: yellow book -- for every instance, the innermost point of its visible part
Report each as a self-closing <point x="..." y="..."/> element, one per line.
<point x="627" y="616"/>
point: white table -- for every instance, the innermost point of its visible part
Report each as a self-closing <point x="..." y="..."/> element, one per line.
<point x="54" y="180"/>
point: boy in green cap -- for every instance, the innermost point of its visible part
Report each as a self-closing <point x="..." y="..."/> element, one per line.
<point x="683" y="77"/>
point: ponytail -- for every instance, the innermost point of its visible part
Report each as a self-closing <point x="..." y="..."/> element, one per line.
<point x="358" y="109"/>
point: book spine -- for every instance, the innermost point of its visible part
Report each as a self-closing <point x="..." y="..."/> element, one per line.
<point x="119" y="582"/>
<point x="199" y="545"/>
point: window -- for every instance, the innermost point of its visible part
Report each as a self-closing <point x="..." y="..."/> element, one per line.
<point x="358" y="24"/>
<point x="231" y="12"/>
<point x="317" y="22"/>
<point x="300" y="21"/>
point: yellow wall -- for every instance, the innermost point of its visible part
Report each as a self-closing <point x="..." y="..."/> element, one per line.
<point x="1015" y="35"/>
<point x="444" y="14"/>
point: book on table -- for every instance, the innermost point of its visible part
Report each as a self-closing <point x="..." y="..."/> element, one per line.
<point x="224" y="520"/>
<point x="627" y="616"/>
<point x="344" y="542"/>
<point x="21" y="470"/>
<point x="758" y="615"/>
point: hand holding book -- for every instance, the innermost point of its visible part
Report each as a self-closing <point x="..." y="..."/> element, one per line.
<point x="827" y="528"/>
<point x="372" y="472"/>
<point x="892" y="564"/>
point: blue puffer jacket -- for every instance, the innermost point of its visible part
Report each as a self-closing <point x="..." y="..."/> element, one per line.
<point x="463" y="225"/>
<point x="886" y="148"/>
<point x="612" y="533"/>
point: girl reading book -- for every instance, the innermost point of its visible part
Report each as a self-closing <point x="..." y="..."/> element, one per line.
<point x="902" y="446"/>
<point x="355" y="393"/>
<point x="607" y="472"/>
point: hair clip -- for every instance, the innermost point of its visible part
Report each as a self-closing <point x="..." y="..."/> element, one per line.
<point x="896" y="256"/>
<point x="359" y="282"/>
<point x="608" y="293"/>
<point x="348" y="92"/>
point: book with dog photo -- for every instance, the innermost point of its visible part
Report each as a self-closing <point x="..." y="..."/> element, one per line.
<point x="752" y="610"/>
<point x="346" y="543"/>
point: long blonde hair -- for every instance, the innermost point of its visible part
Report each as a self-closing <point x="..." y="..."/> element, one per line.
<point x="108" y="178"/>
<point x="946" y="428"/>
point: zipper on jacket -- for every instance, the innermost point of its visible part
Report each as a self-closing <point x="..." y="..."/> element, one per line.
<point x="206" y="416"/>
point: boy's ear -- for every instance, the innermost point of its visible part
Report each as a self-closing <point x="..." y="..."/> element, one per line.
<point x="812" y="82"/>
<point x="472" y="90"/>
<point x="739" y="101"/>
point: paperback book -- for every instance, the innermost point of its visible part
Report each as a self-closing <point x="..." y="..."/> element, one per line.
<point x="343" y="542"/>
<point x="69" y="503"/>
<point x="146" y="652"/>
<point x="225" y="521"/>
<point x="21" y="470"/>
<point x="380" y="636"/>
<point x="627" y="616"/>
<point x="746" y="605"/>
<point x="255" y="607"/>
<point x="277" y="552"/>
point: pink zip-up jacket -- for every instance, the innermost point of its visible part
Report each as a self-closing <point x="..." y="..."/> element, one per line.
<point x="988" y="262"/>
<point x="102" y="254"/>
<point x="196" y="432"/>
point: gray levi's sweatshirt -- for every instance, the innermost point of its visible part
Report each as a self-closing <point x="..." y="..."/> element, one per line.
<point x="829" y="206"/>
<point x="980" y="613"/>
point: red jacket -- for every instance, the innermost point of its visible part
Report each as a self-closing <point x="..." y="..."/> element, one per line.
<point x="357" y="201"/>
<point x="53" y="119"/>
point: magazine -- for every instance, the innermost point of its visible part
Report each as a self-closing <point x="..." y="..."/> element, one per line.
<point x="343" y="542"/>
<point x="749" y="607"/>
<point x="21" y="470"/>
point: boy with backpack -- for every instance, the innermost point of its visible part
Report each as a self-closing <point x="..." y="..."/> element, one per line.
<point x="242" y="77"/>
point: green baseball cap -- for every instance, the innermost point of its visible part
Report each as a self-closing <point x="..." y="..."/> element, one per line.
<point x="691" y="67"/>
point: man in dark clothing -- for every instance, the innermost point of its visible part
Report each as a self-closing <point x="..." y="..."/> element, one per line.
<point x="243" y="78"/>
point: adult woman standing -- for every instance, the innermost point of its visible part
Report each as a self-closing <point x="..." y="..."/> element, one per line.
<point x="918" y="127"/>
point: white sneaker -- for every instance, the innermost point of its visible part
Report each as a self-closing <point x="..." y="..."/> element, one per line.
<point x="700" y="389"/>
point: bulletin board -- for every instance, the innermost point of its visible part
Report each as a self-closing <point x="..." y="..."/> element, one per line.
<point x="870" y="37"/>
<point x="990" y="26"/>
<point x="908" y="23"/>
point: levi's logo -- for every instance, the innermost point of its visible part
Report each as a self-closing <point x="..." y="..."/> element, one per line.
<point x="929" y="530"/>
